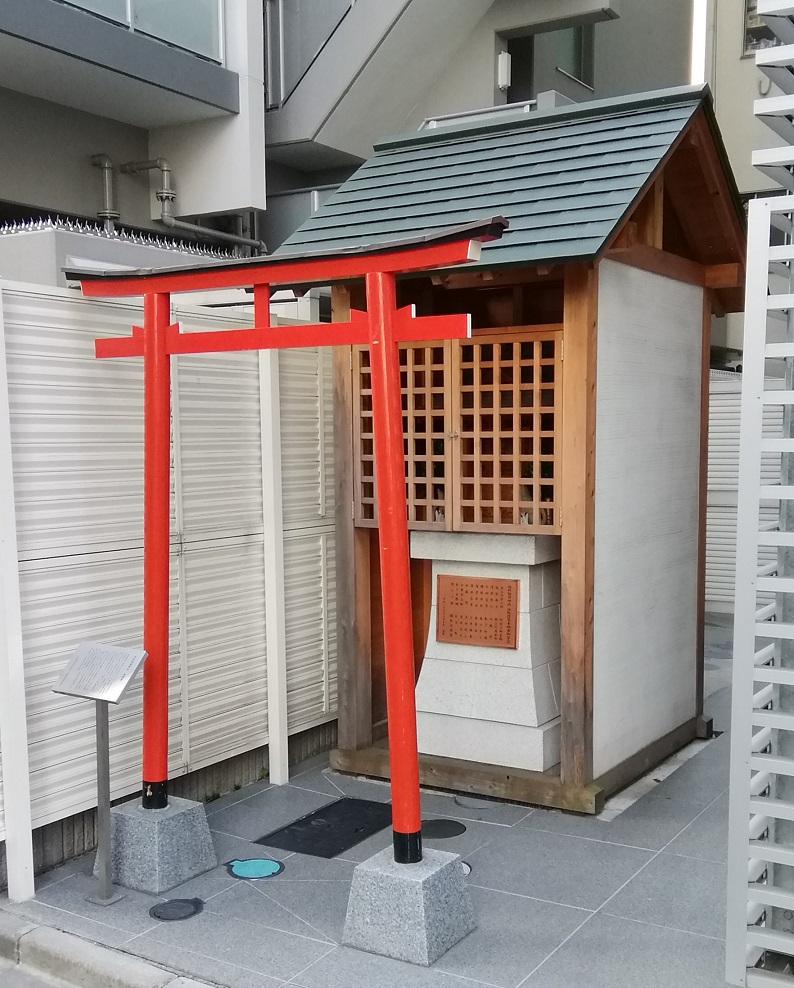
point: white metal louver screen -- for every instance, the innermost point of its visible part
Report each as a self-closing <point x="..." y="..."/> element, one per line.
<point x="220" y="533"/>
<point x="77" y="458"/>
<point x="76" y="426"/>
<point x="309" y="556"/>
<point x="2" y="804"/>
<point x="723" y="484"/>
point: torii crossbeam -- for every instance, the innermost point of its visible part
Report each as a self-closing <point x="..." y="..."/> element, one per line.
<point x="382" y="327"/>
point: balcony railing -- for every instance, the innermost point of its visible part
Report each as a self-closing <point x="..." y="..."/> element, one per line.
<point x="194" y="25"/>
<point x="297" y="31"/>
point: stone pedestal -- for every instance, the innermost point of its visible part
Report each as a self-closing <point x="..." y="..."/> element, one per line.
<point x="156" y="850"/>
<point x="411" y="912"/>
<point x="486" y="704"/>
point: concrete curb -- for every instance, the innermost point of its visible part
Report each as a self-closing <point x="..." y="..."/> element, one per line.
<point x="51" y="952"/>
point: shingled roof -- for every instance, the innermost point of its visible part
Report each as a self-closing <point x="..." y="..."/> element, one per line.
<point x="564" y="178"/>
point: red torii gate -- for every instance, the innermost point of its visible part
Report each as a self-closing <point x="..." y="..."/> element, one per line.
<point x="382" y="327"/>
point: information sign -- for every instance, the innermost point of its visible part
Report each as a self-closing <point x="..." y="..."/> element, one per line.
<point x="100" y="672"/>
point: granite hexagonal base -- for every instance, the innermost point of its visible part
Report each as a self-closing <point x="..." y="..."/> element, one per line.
<point x="155" y="850"/>
<point x="412" y="912"/>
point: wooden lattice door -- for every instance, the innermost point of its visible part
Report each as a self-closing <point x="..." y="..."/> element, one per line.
<point x="507" y="406"/>
<point x="425" y="373"/>
<point x="481" y="421"/>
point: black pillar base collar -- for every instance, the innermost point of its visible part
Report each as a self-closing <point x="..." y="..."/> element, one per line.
<point x="155" y="795"/>
<point x="407" y="847"/>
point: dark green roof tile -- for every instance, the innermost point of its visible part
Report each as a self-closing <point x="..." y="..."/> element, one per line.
<point x="563" y="178"/>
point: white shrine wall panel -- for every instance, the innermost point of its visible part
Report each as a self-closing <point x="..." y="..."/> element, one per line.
<point x="646" y="509"/>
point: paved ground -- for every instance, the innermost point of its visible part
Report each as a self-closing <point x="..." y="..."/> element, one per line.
<point x="13" y="977"/>
<point x="561" y="900"/>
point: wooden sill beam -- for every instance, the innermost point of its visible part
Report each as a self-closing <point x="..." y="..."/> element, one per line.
<point x="477" y="778"/>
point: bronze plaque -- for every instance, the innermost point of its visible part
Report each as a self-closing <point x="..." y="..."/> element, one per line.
<point x="473" y="611"/>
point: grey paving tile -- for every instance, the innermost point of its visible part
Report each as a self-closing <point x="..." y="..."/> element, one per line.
<point x="707" y="835"/>
<point x="82" y="865"/>
<point x="207" y="885"/>
<point x="347" y="968"/>
<point x="238" y="942"/>
<point x="475" y="836"/>
<point x="718" y="707"/>
<point x="322" y="904"/>
<point x="467" y="808"/>
<point x="253" y="903"/>
<point x="228" y="848"/>
<point x="650" y="823"/>
<point x="554" y="867"/>
<point x="615" y="953"/>
<point x="236" y="796"/>
<point x="267" y="811"/>
<point x="200" y="966"/>
<point x="59" y="919"/>
<point x="304" y="867"/>
<point x="337" y="785"/>
<point x="131" y="913"/>
<point x="512" y="937"/>
<point x="702" y="778"/>
<point x="680" y="893"/>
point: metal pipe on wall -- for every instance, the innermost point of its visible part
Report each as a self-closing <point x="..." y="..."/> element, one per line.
<point x="166" y="195"/>
<point x="108" y="213"/>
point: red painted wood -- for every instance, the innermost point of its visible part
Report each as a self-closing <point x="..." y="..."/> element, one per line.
<point x="394" y="553"/>
<point x="275" y="271"/>
<point x="156" y="504"/>
<point x="383" y="326"/>
<point x="356" y="331"/>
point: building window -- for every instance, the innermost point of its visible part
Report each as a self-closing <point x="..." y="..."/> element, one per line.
<point x="756" y="34"/>
<point x="576" y="52"/>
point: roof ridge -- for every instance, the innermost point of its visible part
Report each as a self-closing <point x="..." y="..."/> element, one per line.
<point x="612" y="106"/>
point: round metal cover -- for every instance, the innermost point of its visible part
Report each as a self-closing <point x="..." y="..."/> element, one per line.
<point x="176" y="909"/>
<point x="435" y="829"/>
<point x="253" y="868"/>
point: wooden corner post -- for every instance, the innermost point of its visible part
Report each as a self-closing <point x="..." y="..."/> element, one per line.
<point x="578" y="521"/>
<point x="352" y="559"/>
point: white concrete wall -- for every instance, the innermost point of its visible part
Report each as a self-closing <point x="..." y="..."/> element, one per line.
<point x="45" y="158"/>
<point x="639" y="45"/>
<point x="646" y="521"/>
<point x="737" y="83"/>
<point x="219" y="164"/>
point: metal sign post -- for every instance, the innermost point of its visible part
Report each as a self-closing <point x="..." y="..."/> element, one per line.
<point x="101" y="673"/>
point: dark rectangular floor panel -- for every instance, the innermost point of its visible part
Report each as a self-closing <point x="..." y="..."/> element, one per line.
<point x="332" y="829"/>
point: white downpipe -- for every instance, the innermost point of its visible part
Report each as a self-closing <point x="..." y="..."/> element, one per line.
<point x="13" y="720"/>
<point x="275" y="603"/>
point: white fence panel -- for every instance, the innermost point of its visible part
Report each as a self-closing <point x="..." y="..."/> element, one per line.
<point x="77" y="424"/>
<point x="77" y="451"/>
<point x="227" y="658"/>
<point x="723" y="485"/>
<point x="307" y="450"/>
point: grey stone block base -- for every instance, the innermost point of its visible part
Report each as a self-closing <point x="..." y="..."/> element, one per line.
<point x="410" y="912"/>
<point x="155" y="850"/>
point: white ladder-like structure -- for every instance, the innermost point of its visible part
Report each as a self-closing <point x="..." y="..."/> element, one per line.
<point x="761" y="840"/>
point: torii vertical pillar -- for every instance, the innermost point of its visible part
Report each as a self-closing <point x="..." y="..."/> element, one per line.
<point x="156" y="538"/>
<point x="395" y="572"/>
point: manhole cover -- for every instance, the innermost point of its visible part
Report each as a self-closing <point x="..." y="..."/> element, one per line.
<point x="254" y="868"/>
<point x="176" y="909"/>
<point x="442" y="828"/>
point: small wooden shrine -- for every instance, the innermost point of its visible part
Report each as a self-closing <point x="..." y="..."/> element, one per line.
<point x="555" y="462"/>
